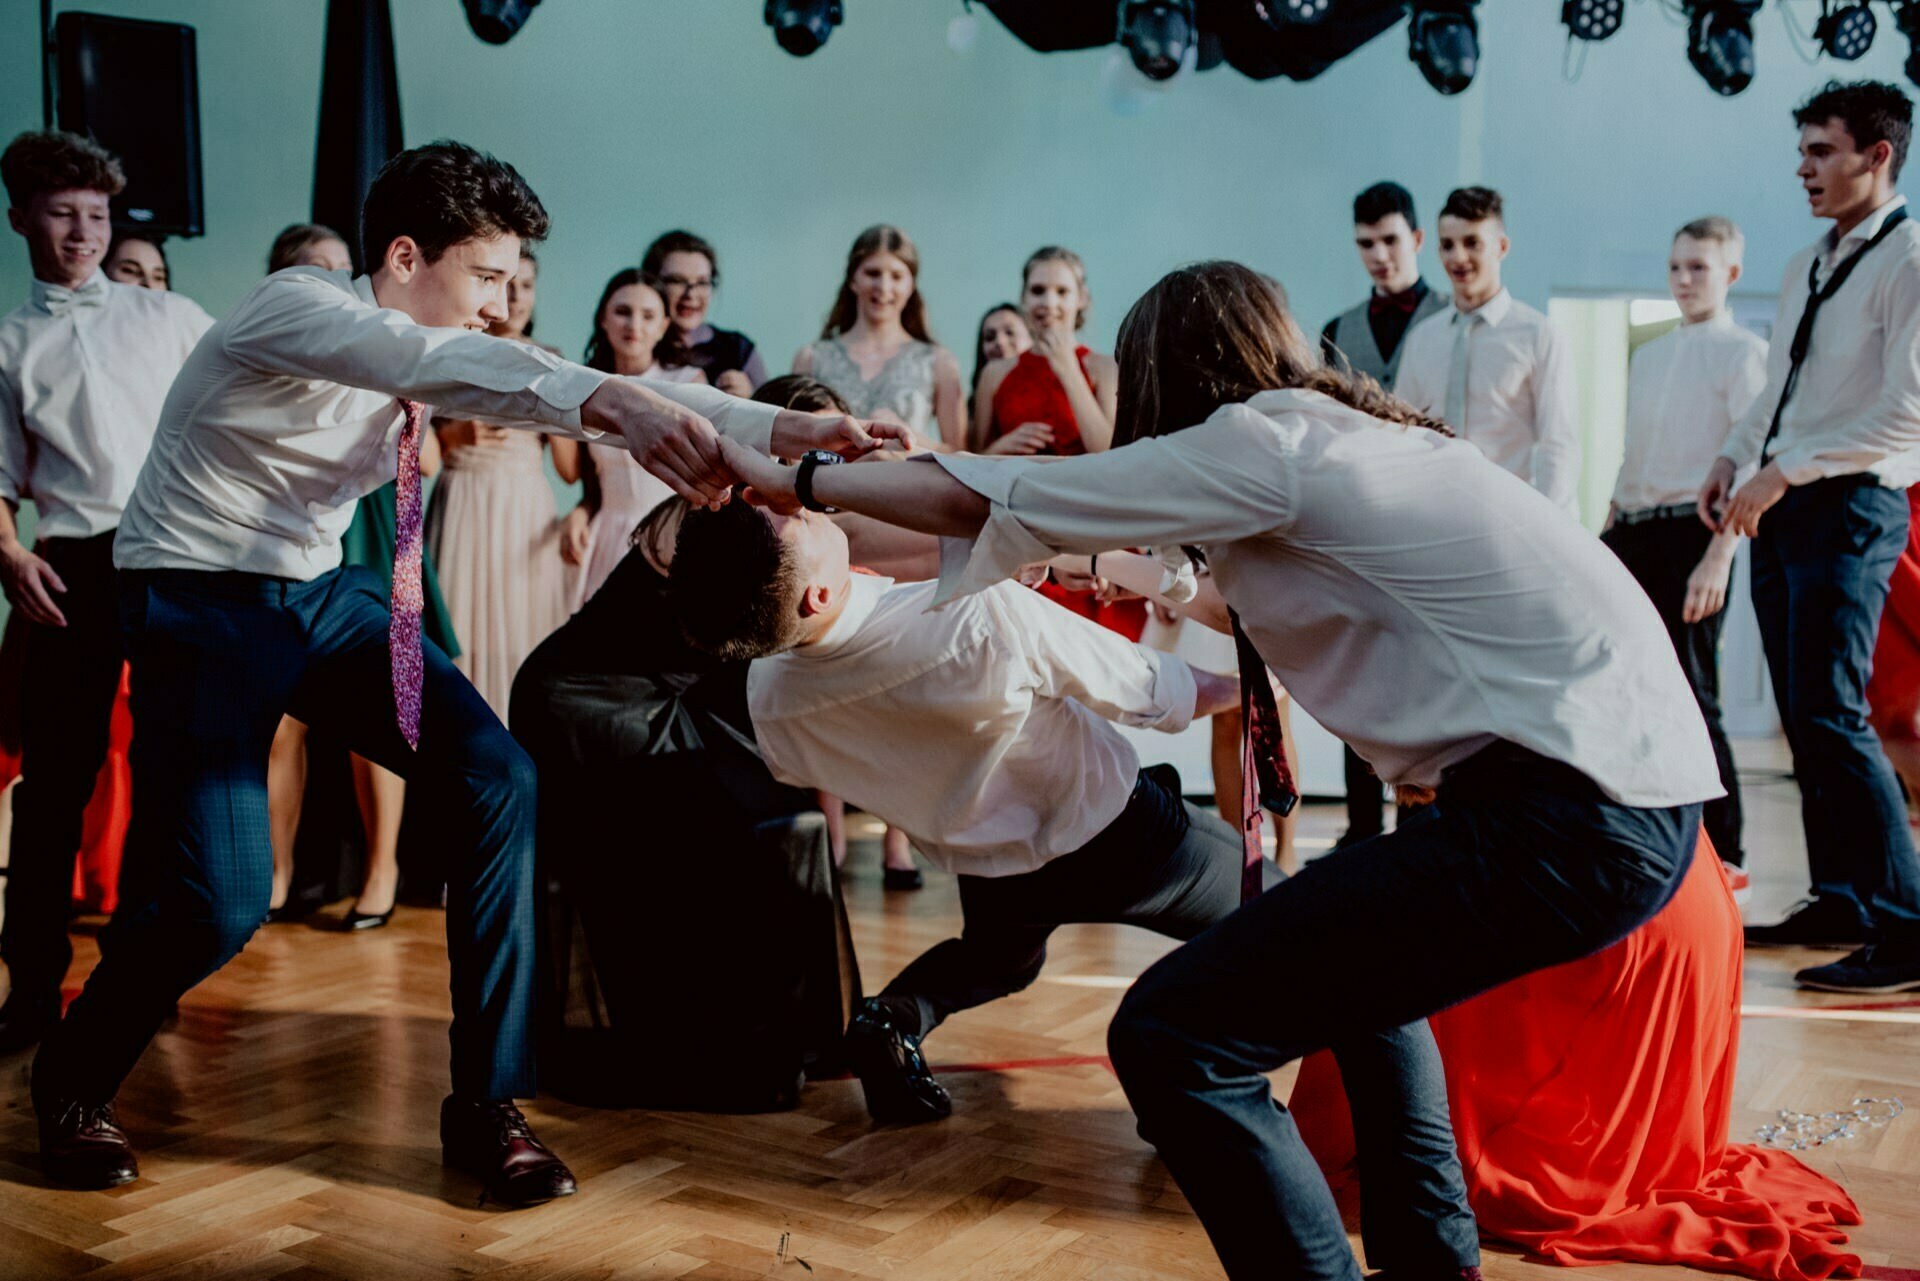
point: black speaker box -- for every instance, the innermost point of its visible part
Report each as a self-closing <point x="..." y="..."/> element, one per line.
<point x="134" y="87"/>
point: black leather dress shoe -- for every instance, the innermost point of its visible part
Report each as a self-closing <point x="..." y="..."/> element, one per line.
<point x="902" y="878"/>
<point x="493" y="1142"/>
<point x="21" y="1025"/>
<point x="82" y="1147"/>
<point x="899" y="1086"/>
<point x="1817" y="922"/>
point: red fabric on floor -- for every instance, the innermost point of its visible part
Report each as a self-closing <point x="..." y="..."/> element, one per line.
<point x="1591" y="1104"/>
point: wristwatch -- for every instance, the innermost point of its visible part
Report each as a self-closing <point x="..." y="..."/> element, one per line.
<point x="803" y="483"/>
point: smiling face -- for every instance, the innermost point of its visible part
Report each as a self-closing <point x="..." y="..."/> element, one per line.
<point x="1390" y="251"/>
<point x="686" y="282"/>
<point x="1004" y="335"/>
<point x="67" y="234"/>
<point x="634" y="321"/>
<point x="465" y="288"/>
<point x="1472" y="252"/>
<point x="137" y="263"/>
<point x="1053" y="297"/>
<point x="882" y="283"/>
<point x="1841" y="180"/>
<point x="1699" y="274"/>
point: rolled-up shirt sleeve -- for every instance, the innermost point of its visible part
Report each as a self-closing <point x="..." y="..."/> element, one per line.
<point x="1224" y="479"/>
<point x="304" y="326"/>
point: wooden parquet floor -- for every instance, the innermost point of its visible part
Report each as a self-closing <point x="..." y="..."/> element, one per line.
<point x="286" y="1126"/>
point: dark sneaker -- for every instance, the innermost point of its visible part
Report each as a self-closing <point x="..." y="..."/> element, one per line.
<point x="899" y="1086"/>
<point x="1874" y="970"/>
<point x="82" y="1146"/>
<point x="493" y="1142"/>
<point x="1816" y="922"/>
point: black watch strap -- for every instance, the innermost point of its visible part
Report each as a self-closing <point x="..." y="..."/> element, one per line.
<point x="803" y="483"/>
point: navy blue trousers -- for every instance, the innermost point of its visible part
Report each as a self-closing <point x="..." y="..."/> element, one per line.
<point x="1521" y="864"/>
<point x="1822" y="565"/>
<point x="217" y="660"/>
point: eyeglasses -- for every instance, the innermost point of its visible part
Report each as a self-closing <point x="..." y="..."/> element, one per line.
<point x="684" y="285"/>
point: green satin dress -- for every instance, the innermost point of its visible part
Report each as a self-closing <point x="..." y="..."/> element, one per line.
<point x="370" y="540"/>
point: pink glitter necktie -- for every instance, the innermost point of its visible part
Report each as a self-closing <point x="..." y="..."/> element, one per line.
<point x="409" y="601"/>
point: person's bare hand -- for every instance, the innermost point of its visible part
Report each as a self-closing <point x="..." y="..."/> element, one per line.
<point x="576" y="536"/>
<point x="794" y="433"/>
<point x="1027" y="438"/>
<point x="767" y="483"/>
<point x="30" y="584"/>
<point x="1707" y="587"/>
<point x="1714" y="495"/>
<point x="1057" y="347"/>
<point x="1755" y="499"/>
<point x="669" y="440"/>
<point x="734" y="382"/>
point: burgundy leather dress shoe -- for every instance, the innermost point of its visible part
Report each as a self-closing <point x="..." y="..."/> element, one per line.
<point x="493" y="1142"/>
<point x="82" y="1147"/>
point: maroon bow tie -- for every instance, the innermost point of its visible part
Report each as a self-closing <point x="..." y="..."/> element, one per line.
<point x="1404" y="302"/>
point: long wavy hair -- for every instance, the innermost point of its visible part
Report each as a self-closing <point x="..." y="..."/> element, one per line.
<point x="879" y="239"/>
<point x="1218" y="333"/>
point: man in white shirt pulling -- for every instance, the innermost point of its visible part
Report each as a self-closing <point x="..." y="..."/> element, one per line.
<point x="1491" y="367"/>
<point x="85" y="365"/>
<point x="310" y="394"/>
<point x="1685" y="391"/>
<point x="1836" y="436"/>
<point x="981" y="730"/>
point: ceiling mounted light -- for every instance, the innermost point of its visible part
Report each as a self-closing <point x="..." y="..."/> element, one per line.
<point x="496" y="21"/>
<point x="1593" y="19"/>
<point x="1445" y="43"/>
<point x="1720" y="43"/>
<point x="1907" y="17"/>
<point x="802" y="26"/>
<point x="1847" y="32"/>
<point x="1159" y="35"/>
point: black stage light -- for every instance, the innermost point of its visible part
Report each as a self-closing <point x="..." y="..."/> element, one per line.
<point x="1446" y="42"/>
<point x="1847" y="32"/>
<point x="496" y="21"/>
<point x="1720" y="42"/>
<point x="1593" y="19"/>
<point x="802" y="26"/>
<point x="1283" y="13"/>
<point x="1907" y="18"/>
<point x="1158" y="35"/>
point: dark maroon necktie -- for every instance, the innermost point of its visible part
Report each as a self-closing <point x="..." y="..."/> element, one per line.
<point x="409" y="600"/>
<point x="1266" y="780"/>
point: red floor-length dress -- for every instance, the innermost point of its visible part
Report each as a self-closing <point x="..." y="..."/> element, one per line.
<point x="1591" y="1103"/>
<point x="1031" y="393"/>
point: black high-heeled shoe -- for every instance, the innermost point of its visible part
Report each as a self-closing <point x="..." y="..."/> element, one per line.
<point x="356" y="920"/>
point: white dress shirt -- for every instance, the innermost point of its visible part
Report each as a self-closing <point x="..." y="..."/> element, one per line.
<point x="1520" y="392"/>
<point x="287" y="414"/>
<point x="1856" y="406"/>
<point x="977" y="729"/>
<point x="83" y="373"/>
<point x="1418" y="602"/>
<point x="1685" y="391"/>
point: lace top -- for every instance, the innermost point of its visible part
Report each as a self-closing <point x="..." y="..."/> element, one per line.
<point x="903" y="387"/>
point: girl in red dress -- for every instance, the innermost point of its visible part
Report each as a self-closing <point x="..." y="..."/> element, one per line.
<point x="1893" y="695"/>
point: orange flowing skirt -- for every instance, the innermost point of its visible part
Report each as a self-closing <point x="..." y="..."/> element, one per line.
<point x="1591" y="1103"/>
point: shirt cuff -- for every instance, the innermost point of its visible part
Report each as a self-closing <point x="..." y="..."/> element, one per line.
<point x="1175" y="685"/>
<point x="1002" y="547"/>
<point x="748" y="421"/>
<point x="564" y="389"/>
<point x="1802" y="465"/>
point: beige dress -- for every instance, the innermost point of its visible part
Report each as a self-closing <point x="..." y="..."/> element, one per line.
<point x="494" y="534"/>
<point x="628" y="492"/>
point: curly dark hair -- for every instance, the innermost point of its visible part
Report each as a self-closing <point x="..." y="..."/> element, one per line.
<point x="49" y="160"/>
<point x="444" y="193"/>
<point x="1872" y="110"/>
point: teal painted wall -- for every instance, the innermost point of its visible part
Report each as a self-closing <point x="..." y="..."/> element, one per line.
<point x="630" y="116"/>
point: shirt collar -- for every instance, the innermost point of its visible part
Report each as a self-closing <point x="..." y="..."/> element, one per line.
<point x="1869" y="226"/>
<point x="45" y="296"/>
<point x="1494" y="310"/>
<point x="863" y="597"/>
